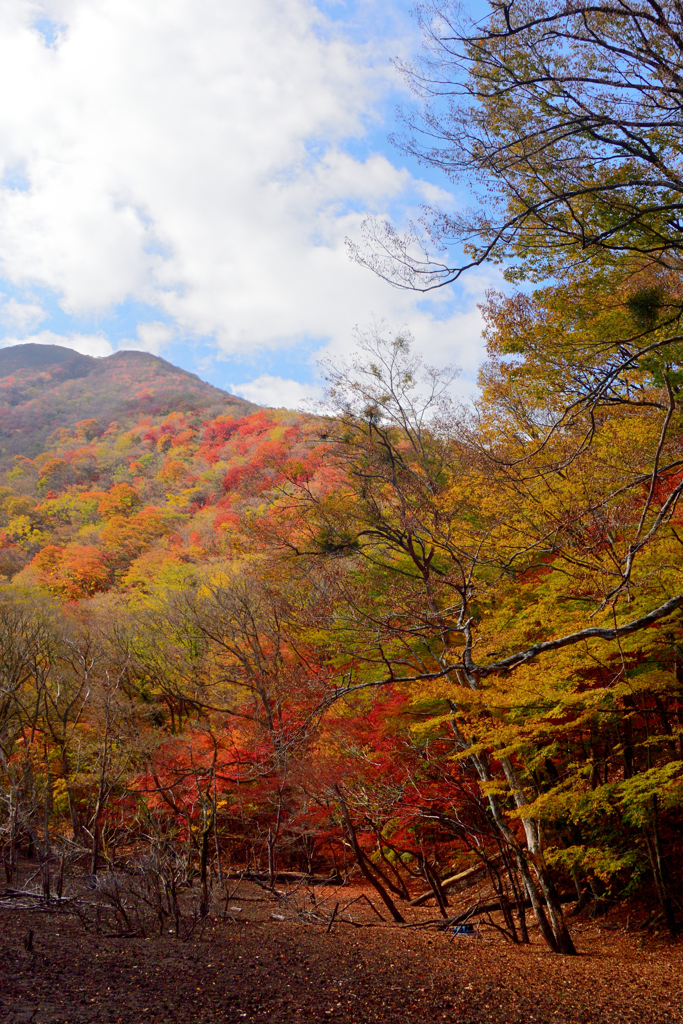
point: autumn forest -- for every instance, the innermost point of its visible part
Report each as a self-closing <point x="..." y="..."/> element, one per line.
<point x="396" y="637"/>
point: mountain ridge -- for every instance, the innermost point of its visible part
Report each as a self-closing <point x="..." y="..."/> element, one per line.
<point x="120" y="470"/>
<point x="45" y="387"/>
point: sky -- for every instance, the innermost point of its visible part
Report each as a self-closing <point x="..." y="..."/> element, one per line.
<point x="180" y="176"/>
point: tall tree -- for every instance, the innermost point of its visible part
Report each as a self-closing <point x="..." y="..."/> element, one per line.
<point x="565" y="118"/>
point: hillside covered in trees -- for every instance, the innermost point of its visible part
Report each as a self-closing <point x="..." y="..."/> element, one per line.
<point x="416" y="641"/>
<point x="286" y="643"/>
<point x="46" y="387"/>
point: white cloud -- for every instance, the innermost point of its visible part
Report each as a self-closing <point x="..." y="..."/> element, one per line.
<point x="24" y="316"/>
<point x="151" y="337"/>
<point x="190" y="154"/>
<point x="277" y="392"/>
<point x="86" y="344"/>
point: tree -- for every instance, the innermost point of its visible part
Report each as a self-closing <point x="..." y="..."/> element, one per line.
<point x="25" y="628"/>
<point x="241" y="669"/>
<point x="565" y="117"/>
<point x="74" y="571"/>
<point x="465" y="567"/>
<point x="412" y="509"/>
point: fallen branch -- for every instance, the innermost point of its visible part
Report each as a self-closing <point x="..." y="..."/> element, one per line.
<point x="39" y="897"/>
<point x="331" y="922"/>
<point x="486" y="908"/>
<point x="287" y="876"/>
<point x="448" y="883"/>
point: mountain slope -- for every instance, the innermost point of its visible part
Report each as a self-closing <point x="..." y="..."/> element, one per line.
<point x="46" y="387"/>
<point x="127" y="472"/>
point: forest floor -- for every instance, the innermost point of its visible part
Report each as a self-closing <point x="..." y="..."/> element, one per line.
<point x="265" y="962"/>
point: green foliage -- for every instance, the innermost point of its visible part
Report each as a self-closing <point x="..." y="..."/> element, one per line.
<point x="645" y="305"/>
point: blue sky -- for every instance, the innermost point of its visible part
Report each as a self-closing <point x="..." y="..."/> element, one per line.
<point x="180" y="176"/>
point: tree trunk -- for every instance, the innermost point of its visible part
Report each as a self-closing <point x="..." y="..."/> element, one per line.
<point x="361" y="859"/>
<point x="562" y="939"/>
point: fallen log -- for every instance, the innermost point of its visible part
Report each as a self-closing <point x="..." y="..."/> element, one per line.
<point x="448" y="883"/>
<point x="39" y="897"/>
<point x="486" y="908"/>
<point x="287" y="876"/>
<point x="475" y="911"/>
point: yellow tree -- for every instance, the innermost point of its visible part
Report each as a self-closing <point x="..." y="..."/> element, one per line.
<point x="476" y="547"/>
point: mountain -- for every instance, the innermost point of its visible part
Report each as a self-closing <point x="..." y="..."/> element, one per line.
<point x="127" y="472"/>
<point x="30" y="356"/>
<point x="46" y="387"/>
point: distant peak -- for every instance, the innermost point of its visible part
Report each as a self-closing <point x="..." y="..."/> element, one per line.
<point x="30" y="354"/>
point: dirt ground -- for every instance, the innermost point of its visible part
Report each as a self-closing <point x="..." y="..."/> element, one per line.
<point x="261" y="964"/>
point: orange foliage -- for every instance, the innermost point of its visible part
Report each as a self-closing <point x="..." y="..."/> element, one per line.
<point x="172" y="471"/>
<point x="121" y="500"/>
<point x="87" y="429"/>
<point x="73" y="572"/>
<point x="133" y="534"/>
<point x="53" y="467"/>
